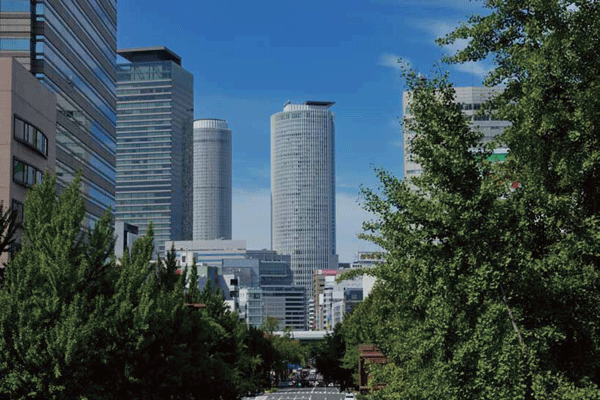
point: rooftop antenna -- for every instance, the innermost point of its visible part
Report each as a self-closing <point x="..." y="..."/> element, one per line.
<point x="287" y="102"/>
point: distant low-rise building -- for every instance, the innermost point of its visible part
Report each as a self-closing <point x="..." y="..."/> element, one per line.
<point x="211" y="252"/>
<point x="263" y="279"/>
<point x="339" y="299"/>
<point x="365" y="259"/>
<point x="320" y="278"/>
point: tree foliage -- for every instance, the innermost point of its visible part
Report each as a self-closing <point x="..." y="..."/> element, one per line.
<point x="8" y="228"/>
<point x="489" y="291"/>
<point x="75" y="323"/>
<point x="329" y="356"/>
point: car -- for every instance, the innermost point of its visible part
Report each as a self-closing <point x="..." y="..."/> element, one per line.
<point x="349" y="396"/>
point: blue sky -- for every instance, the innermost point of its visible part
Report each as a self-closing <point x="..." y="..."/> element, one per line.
<point x="249" y="57"/>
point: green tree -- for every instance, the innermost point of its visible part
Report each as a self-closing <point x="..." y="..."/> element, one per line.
<point x="75" y="323"/>
<point x="8" y="231"/>
<point x="489" y="291"/>
<point x="8" y="228"/>
<point x="53" y="299"/>
<point x="328" y="359"/>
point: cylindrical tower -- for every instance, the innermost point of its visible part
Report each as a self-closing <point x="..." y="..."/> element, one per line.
<point x="212" y="180"/>
<point x="303" y="188"/>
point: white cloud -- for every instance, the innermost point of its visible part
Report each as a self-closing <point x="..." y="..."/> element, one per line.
<point x="393" y="61"/>
<point x="461" y="5"/>
<point x="477" y="69"/>
<point x="439" y="29"/>
<point x="252" y="221"/>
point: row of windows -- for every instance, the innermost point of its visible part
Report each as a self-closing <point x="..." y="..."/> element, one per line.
<point x="146" y="150"/>
<point x="144" y="90"/>
<point x="151" y="67"/>
<point x="25" y="174"/>
<point x="135" y="202"/>
<point x="469" y="106"/>
<point x="77" y="14"/>
<point x="28" y="134"/>
<point x="137" y="208"/>
<point x="138" y="97"/>
<point x="211" y="141"/>
<point x="128" y="216"/>
<point x="80" y="50"/>
<point x="145" y="125"/>
<point x="149" y="104"/>
<point x="89" y="189"/>
<point x="143" y="195"/>
<point x="146" y="111"/>
<point x="298" y="114"/>
<point x="15" y="5"/>
<point x="143" y="76"/>
<point x="145" y="117"/>
<point x="14" y="44"/>
<point x="123" y="85"/>
<point x="72" y="145"/>
<point x="46" y="51"/>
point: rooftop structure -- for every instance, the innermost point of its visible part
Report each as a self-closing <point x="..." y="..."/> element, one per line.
<point x="144" y="54"/>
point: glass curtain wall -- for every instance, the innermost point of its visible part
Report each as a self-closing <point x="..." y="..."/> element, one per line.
<point x="155" y="101"/>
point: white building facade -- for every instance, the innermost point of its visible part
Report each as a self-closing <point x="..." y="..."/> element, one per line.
<point x="303" y="188"/>
<point x="212" y="180"/>
<point x="471" y="99"/>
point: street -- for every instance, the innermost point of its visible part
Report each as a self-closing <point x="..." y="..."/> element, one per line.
<point x="314" y="393"/>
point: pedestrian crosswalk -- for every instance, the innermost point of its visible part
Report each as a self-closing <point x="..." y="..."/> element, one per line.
<point x="314" y="393"/>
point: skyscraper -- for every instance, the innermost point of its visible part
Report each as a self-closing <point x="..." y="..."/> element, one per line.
<point x="70" y="46"/>
<point x="303" y="188"/>
<point x="212" y="180"/>
<point x="471" y="99"/>
<point x="154" y="135"/>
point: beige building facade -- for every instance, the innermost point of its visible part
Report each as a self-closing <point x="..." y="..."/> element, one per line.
<point x="27" y="133"/>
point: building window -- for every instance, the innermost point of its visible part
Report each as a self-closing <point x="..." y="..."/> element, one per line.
<point x="25" y="174"/>
<point x="18" y="207"/>
<point x="15" y="44"/>
<point x="15" y="5"/>
<point x="31" y="136"/>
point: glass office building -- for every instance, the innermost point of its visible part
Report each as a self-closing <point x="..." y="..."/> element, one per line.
<point x="303" y="188"/>
<point x="154" y="143"/>
<point x="70" y="46"/>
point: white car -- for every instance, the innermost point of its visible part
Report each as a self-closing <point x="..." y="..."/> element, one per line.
<point x="349" y="396"/>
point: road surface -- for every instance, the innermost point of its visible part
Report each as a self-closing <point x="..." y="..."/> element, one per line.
<point x="313" y="393"/>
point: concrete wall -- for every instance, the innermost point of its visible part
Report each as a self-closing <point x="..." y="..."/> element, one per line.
<point x="23" y="96"/>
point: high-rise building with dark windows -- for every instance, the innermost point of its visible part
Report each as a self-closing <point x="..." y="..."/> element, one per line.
<point x="70" y="46"/>
<point x="154" y="143"/>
